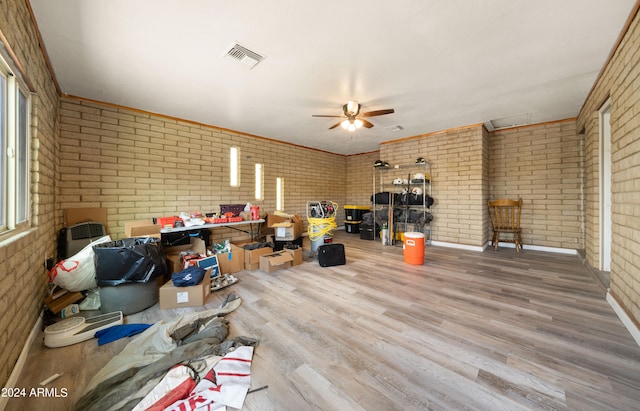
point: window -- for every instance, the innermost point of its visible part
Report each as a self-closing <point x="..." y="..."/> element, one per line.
<point x="234" y="167"/>
<point x="279" y="194"/>
<point x="15" y="103"/>
<point x="259" y="182"/>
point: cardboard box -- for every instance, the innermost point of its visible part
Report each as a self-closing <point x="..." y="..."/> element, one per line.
<point x="178" y="297"/>
<point x="297" y="255"/>
<point x="273" y="219"/>
<point x="61" y="299"/>
<point x="144" y="228"/>
<point x="252" y="257"/>
<point x="172" y="254"/>
<point x="73" y="216"/>
<point x="275" y="261"/>
<point x="288" y="230"/>
<point x="231" y="262"/>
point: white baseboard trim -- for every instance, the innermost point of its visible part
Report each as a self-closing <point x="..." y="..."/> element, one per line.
<point x="457" y="246"/>
<point x="504" y="245"/>
<point x="537" y="248"/>
<point x="622" y="315"/>
<point x="22" y="359"/>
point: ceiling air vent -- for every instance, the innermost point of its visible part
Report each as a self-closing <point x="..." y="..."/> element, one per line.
<point x="508" y="122"/>
<point x="396" y="127"/>
<point x="242" y="54"/>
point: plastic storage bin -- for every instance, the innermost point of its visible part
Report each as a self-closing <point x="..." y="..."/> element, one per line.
<point x="355" y="212"/>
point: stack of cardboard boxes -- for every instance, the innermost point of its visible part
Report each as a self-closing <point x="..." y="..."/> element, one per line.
<point x="243" y="256"/>
<point x="225" y="263"/>
<point x="283" y="230"/>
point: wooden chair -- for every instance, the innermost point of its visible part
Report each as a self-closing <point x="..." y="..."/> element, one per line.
<point x="505" y="218"/>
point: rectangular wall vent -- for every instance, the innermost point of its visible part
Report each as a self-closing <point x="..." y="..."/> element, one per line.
<point x="508" y="122"/>
<point x="242" y="54"/>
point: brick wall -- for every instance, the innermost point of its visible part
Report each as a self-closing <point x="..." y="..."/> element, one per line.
<point x="139" y="165"/>
<point x="457" y="180"/>
<point x="359" y="176"/>
<point x="618" y="82"/>
<point x="23" y="275"/>
<point x="542" y="165"/>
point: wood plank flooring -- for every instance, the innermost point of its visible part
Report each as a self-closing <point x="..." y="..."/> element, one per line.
<point x="482" y="331"/>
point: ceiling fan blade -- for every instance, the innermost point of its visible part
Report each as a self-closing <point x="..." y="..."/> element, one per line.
<point x="335" y="125"/>
<point x="366" y="123"/>
<point x="325" y="115"/>
<point x="378" y="112"/>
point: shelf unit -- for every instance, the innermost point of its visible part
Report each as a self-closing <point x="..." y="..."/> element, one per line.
<point x="405" y="210"/>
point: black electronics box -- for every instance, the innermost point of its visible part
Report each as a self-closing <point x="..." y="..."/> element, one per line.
<point x="369" y="231"/>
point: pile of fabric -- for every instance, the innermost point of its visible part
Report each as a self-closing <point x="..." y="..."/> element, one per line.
<point x="185" y="364"/>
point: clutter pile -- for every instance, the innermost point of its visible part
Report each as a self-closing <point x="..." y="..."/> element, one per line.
<point x="229" y="213"/>
<point x="182" y="364"/>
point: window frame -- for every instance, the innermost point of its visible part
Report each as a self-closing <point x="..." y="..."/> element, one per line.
<point x="15" y="149"/>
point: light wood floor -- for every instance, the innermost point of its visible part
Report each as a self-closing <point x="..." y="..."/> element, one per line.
<point x="488" y="331"/>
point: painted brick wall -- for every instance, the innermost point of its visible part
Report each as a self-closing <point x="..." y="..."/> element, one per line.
<point x="619" y="81"/>
<point x="139" y="165"/>
<point x="542" y="165"/>
<point x="23" y="275"/>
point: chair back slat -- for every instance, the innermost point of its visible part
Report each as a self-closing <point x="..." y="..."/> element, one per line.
<point x="505" y="213"/>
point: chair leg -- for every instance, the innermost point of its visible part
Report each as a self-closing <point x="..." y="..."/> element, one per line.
<point x="496" y="240"/>
<point x="518" y="241"/>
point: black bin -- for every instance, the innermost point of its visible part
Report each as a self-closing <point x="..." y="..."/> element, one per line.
<point x="352" y="227"/>
<point x="130" y="260"/>
<point x="369" y="231"/>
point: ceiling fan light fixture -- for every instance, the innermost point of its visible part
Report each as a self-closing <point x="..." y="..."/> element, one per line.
<point x="351" y="120"/>
<point x="353" y="107"/>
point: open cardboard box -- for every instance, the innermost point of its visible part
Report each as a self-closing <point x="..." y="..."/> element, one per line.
<point x="275" y="261"/>
<point x="274" y="219"/>
<point x="233" y="261"/>
<point x="252" y="257"/>
<point x="172" y="254"/>
<point x="287" y="230"/>
<point x="178" y="297"/>
<point x="297" y="255"/>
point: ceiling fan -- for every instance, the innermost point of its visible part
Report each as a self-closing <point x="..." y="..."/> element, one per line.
<point x="353" y="119"/>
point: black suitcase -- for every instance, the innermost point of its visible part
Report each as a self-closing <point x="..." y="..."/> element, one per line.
<point x="331" y="254"/>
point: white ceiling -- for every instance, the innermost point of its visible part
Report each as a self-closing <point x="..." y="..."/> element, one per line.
<point x="439" y="63"/>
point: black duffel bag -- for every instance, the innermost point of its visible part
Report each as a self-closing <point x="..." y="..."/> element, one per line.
<point x="418" y="199"/>
<point x="130" y="260"/>
<point x="384" y="197"/>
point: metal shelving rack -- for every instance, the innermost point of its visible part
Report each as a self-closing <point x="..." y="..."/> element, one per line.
<point x="405" y="217"/>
